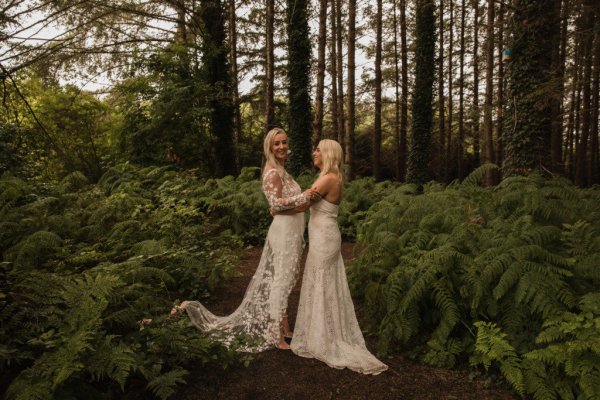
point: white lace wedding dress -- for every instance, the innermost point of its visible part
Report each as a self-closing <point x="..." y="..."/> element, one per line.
<point x="266" y="298"/>
<point x="326" y="326"/>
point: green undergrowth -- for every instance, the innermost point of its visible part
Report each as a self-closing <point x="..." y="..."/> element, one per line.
<point x="505" y="278"/>
<point x="82" y="265"/>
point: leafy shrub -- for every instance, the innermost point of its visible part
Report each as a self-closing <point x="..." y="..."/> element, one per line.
<point x="83" y="264"/>
<point x="505" y="275"/>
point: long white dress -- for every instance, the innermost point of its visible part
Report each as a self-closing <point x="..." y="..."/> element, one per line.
<point x="326" y="325"/>
<point x="266" y="298"/>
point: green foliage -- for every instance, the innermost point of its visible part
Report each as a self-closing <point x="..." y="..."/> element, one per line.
<point x="298" y="79"/>
<point x="422" y="113"/>
<point x="533" y="84"/>
<point x="83" y="264"/>
<point x="501" y="275"/>
<point x="71" y="130"/>
<point x="359" y="196"/>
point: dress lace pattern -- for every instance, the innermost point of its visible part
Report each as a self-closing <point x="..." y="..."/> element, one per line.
<point x="266" y="297"/>
<point x="326" y="326"/>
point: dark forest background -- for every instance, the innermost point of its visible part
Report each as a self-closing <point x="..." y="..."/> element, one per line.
<point x="443" y="86"/>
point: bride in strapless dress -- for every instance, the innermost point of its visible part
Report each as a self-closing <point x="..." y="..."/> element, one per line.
<point x="326" y="325"/>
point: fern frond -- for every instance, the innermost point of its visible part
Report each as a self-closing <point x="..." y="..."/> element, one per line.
<point x="163" y="386"/>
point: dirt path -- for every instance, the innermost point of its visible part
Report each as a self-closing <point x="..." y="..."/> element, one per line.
<point x="277" y="374"/>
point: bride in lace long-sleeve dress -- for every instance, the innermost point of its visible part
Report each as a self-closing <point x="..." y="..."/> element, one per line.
<point x="262" y="313"/>
<point x="326" y="325"/>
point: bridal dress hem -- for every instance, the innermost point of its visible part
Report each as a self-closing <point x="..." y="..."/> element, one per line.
<point x="326" y="325"/>
<point x="266" y="298"/>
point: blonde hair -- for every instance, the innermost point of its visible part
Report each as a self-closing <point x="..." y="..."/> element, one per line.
<point x="331" y="156"/>
<point x="270" y="160"/>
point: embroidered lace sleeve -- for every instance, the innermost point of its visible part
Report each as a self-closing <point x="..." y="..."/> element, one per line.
<point x="274" y="189"/>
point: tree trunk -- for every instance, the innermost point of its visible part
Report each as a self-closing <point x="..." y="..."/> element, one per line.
<point x="235" y="96"/>
<point x="475" y="115"/>
<point x="398" y="169"/>
<point x="450" y="100"/>
<point x="269" y="67"/>
<point x="333" y="73"/>
<point x="376" y="142"/>
<point x="499" y="156"/>
<point x="461" y="97"/>
<point x="527" y="146"/>
<point x="441" y="100"/>
<point x="488" y="148"/>
<point x="351" y="94"/>
<point x="423" y="93"/>
<point x="594" y="166"/>
<point x="558" y="60"/>
<point x="214" y="57"/>
<point x="299" y="51"/>
<point x="404" y="106"/>
<point x="318" y="118"/>
<point x="340" y="75"/>
<point x="587" y="24"/>
<point x="568" y="146"/>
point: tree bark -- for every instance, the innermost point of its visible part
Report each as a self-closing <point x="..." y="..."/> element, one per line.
<point x="441" y="99"/>
<point x="299" y="51"/>
<point x="423" y="93"/>
<point x="404" y="106"/>
<point x="376" y="140"/>
<point x="340" y="75"/>
<point x="333" y="73"/>
<point x="499" y="156"/>
<point x="587" y="24"/>
<point x="527" y="145"/>
<point x="398" y="169"/>
<point x="214" y="57"/>
<point x="235" y="95"/>
<point x="475" y="115"/>
<point x="488" y="144"/>
<point x="269" y="66"/>
<point x="461" y="97"/>
<point x="558" y="60"/>
<point x="594" y="165"/>
<point x="350" y="96"/>
<point x="450" y="100"/>
<point x="317" y="126"/>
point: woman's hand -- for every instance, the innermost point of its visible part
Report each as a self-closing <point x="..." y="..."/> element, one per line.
<point x="313" y="195"/>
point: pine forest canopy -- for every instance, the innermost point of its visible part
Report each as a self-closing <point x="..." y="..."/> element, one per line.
<point x="198" y="83"/>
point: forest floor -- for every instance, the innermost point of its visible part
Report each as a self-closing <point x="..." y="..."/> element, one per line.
<point x="278" y="374"/>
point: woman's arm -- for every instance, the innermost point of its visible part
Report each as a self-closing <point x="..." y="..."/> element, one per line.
<point x="273" y="188"/>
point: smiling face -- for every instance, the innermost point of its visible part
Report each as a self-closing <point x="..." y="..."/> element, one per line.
<point x="279" y="147"/>
<point x="317" y="158"/>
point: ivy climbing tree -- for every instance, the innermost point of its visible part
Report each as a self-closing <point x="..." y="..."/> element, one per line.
<point x="217" y="76"/>
<point x="531" y="86"/>
<point x="299" y="51"/>
<point x="423" y="93"/>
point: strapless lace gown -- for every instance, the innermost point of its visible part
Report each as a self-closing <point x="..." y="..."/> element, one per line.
<point x="266" y="297"/>
<point x="326" y="325"/>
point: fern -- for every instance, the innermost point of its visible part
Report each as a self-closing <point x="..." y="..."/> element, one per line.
<point x="163" y="386"/>
<point x="83" y="263"/>
<point x="492" y="346"/>
<point x="516" y="255"/>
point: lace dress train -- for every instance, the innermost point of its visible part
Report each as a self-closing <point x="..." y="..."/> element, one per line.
<point x="326" y="326"/>
<point x="264" y="304"/>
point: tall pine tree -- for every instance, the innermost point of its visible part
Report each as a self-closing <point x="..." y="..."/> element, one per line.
<point x="299" y="51"/>
<point x="530" y="75"/>
<point x="423" y="92"/>
<point x="214" y="57"/>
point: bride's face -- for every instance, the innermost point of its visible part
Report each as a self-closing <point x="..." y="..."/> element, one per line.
<point x="317" y="158"/>
<point x="280" y="147"/>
